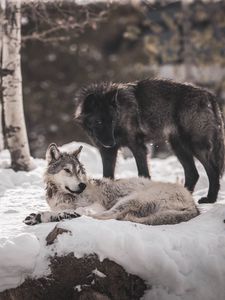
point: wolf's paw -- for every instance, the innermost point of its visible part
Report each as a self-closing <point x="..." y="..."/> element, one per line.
<point x="205" y="200"/>
<point x="33" y="219"/>
<point x="67" y="215"/>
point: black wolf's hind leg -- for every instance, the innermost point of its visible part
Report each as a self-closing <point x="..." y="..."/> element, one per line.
<point x="213" y="176"/>
<point x="214" y="186"/>
<point x="109" y="156"/>
<point x="187" y="161"/>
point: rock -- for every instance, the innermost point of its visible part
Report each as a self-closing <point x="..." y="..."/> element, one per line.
<point x="85" y="278"/>
<point x="54" y="233"/>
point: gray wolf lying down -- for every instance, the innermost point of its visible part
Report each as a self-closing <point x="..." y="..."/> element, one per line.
<point x="68" y="191"/>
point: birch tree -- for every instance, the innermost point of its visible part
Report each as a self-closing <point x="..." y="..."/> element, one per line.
<point x="14" y="123"/>
<point x="1" y="75"/>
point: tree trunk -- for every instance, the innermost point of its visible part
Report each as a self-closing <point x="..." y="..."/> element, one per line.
<point x="15" y="128"/>
<point x="1" y="36"/>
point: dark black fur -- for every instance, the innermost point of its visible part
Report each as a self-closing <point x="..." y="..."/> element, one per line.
<point x="131" y="115"/>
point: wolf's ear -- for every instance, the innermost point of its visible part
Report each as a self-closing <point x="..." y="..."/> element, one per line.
<point x="77" y="152"/>
<point x="52" y="153"/>
<point x="78" y="117"/>
<point x="112" y="96"/>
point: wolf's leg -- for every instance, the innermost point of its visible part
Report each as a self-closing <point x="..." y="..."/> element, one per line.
<point x="118" y="211"/>
<point x="107" y="215"/>
<point x="187" y="161"/>
<point x="109" y="156"/>
<point x="126" y="205"/>
<point x="140" y="154"/>
<point x="48" y="216"/>
<point x="164" y="217"/>
<point x="213" y="176"/>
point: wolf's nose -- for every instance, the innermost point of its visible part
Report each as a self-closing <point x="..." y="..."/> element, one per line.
<point x="82" y="186"/>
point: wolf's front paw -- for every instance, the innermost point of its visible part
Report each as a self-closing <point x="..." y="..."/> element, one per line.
<point x="67" y="215"/>
<point x="33" y="219"/>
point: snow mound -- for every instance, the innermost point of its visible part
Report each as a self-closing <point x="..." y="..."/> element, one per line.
<point x="17" y="259"/>
<point x="184" y="261"/>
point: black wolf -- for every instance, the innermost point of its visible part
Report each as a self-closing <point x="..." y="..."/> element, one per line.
<point x="151" y="110"/>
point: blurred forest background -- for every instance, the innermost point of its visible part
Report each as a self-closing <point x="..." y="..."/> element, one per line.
<point x="67" y="45"/>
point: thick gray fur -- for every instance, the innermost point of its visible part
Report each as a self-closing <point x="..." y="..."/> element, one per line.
<point x="134" y="199"/>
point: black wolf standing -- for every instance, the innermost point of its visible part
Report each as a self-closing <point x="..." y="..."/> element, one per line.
<point x="151" y="110"/>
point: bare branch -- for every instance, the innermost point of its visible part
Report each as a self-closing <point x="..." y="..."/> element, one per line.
<point x="53" y="20"/>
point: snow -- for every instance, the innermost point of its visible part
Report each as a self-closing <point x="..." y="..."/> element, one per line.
<point x="17" y="260"/>
<point x="184" y="261"/>
<point x="98" y="273"/>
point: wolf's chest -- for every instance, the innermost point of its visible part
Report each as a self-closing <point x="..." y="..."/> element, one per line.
<point x="59" y="202"/>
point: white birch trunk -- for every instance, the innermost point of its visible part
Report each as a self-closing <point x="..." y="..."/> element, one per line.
<point x="15" y="128"/>
<point x="1" y="36"/>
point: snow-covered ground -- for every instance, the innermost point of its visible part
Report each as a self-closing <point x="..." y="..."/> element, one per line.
<point x="183" y="261"/>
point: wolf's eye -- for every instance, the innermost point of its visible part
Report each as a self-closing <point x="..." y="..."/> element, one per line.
<point x="67" y="170"/>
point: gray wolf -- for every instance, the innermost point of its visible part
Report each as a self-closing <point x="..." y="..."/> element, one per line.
<point x="134" y="199"/>
<point x="152" y="110"/>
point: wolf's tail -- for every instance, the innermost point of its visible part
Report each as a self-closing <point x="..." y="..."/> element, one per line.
<point x="218" y="142"/>
<point x="170" y="216"/>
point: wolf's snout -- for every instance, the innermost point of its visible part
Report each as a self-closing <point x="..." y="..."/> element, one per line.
<point x="82" y="186"/>
<point x="109" y="144"/>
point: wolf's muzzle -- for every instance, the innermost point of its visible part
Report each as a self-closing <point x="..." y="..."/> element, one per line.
<point x="81" y="186"/>
<point x="110" y="144"/>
